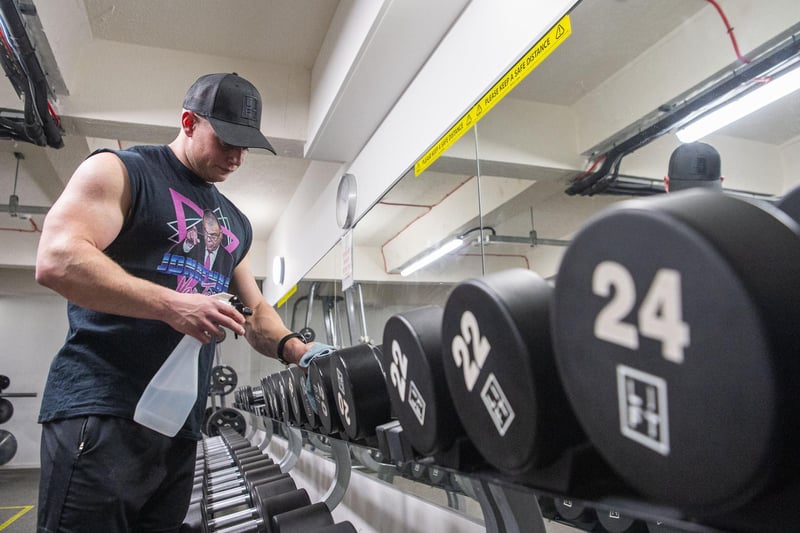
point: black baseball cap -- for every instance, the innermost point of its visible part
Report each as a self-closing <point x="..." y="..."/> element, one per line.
<point x="233" y="107"/>
<point x="694" y="164"/>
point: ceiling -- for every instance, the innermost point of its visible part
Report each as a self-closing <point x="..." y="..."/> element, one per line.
<point x="276" y="34"/>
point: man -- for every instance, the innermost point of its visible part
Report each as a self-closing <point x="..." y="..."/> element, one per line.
<point x="102" y="248"/>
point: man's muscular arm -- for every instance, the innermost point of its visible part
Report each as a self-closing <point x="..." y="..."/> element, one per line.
<point x="85" y="219"/>
<point x="264" y="329"/>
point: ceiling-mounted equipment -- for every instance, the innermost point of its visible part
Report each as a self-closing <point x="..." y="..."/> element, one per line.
<point x="38" y="123"/>
<point x="771" y="60"/>
<point x="768" y="91"/>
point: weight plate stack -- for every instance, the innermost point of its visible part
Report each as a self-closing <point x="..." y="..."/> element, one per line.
<point x="501" y="373"/>
<point x="675" y="323"/>
<point x="416" y="382"/>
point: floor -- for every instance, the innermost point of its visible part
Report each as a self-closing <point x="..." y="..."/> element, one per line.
<point x="18" y="495"/>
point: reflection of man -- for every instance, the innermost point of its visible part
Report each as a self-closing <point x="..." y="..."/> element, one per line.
<point x="212" y="256"/>
<point x="693" y="165"/>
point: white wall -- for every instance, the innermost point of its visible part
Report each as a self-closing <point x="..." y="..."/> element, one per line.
<point x="33" y="324"/>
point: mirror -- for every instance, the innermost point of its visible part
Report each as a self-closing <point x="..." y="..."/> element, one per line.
<point x="503" y="186"/>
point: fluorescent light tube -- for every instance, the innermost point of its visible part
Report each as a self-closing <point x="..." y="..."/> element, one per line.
<point x="432" y="256"/>
<point x="753" y="101"/>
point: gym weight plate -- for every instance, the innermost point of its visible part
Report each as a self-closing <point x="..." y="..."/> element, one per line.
<point x="359" y="388"/>
<point x="415" y="379"/>
<point x="501" y="373"/>
<point x="675" y="325"/>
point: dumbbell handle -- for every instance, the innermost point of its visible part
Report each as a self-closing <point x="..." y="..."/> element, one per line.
<point x="227" y="503"/>
<point x="244" y="527"/>
<point x="234" y="518"/>
<point x="225" y="494"/>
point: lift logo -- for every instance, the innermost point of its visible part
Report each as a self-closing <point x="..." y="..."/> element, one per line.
<point x="500" y="411"/>
<point x="643" y="412"/>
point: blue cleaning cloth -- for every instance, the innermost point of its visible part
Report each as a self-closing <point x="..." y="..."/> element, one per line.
<point x="316" y="350"/>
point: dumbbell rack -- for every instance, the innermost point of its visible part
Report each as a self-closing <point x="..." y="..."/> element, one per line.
<point x="506" y="504"/>
<point x="239" y="488"/>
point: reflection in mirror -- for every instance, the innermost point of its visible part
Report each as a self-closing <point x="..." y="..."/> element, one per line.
<point x="598" y="118"/>
<point x="625" y="78"/>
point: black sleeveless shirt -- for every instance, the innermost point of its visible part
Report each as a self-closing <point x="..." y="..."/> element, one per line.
<point x="107" y="360"/>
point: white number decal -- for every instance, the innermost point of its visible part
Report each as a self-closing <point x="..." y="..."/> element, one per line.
<point x="399" y="370"/>
<point x="344" y="409"/>
<point x="470" y="333"/>
<point x="609" y="325"/>
<point x="660" y="316"/>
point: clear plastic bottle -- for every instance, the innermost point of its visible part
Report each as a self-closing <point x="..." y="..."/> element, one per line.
<point x="169" y="397"/>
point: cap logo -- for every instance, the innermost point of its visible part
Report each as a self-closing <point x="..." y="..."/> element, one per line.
<point x="250" y="108"/>
<point x="700" y="165"/>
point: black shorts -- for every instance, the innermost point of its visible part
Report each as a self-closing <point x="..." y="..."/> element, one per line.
<point x="106" y="474"/>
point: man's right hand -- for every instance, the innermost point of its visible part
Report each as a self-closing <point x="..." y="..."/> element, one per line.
<point x="202" y="317"/>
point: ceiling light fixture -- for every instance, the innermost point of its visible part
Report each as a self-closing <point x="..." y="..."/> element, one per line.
<point x="732" y="111"/>
<point x="432" y="256"/>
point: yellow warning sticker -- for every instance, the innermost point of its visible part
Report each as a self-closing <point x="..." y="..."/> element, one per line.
<point x="286" y="297"/>
<point x="538" y="53"/>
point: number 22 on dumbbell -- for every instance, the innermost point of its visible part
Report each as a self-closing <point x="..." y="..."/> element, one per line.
<point x="660" y="316"/>
<point x="470" y="342"/>
<point x="398" y="370"/>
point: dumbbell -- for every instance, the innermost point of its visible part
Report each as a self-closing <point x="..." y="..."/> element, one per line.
<point x="281" y="380"/>
<point x="613" y="521"/>
<point x="576" y="513"/>
<point x="251" y="498"/>
<point x="312" y="418"/>
<point x="242" y="494"/>
<point x="225" y="417"/>
<point x="664" y="308"/>
<point x="319" y="372"/>
<point x="274" y="381"/>
<point x="248" y="477"/>
<point x="412" y="357"/>
<point x="261" y="516"/>
<point x="339" y="527"/>
<point x="221" y="472"/>
<point x="300" y="520"/>
<point x="501" y="373"/>
<point x="362" y="400"/>
<point x="296" y="392"/>
<point x="789" y="204"/>
<point x="269" y="383"/>
<point x="290" y="392"/>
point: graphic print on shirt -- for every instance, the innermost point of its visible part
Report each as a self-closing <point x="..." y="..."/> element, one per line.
<point x="201" y="257"/>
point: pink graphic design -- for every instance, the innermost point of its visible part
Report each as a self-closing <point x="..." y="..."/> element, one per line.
<point x="199" y="241"/>
<point x="179" y="200"/>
